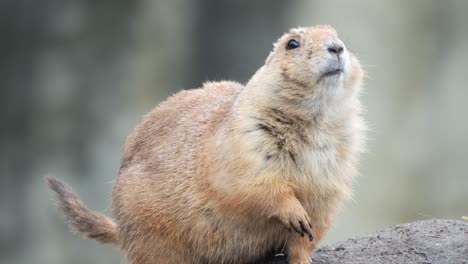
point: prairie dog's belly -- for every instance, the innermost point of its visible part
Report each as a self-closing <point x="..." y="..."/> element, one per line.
<point x="226" y="239"/>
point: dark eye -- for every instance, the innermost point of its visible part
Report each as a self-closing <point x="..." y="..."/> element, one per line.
<point x="292" y="44"/>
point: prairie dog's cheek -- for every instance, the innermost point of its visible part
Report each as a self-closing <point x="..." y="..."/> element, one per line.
<point x="346" y="61"/>
<point x="354" y="74"/>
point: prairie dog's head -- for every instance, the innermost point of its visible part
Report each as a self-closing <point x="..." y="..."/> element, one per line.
<point x="314" y="59"/>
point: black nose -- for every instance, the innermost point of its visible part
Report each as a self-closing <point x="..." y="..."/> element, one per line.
<point x="335" y="49"/>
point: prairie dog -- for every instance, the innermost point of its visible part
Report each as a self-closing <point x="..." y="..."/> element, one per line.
<point x="227" y="173"/>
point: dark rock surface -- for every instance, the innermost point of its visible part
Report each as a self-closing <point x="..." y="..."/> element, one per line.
<point x="422" y="242"/>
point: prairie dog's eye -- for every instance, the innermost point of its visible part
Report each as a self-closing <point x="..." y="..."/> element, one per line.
<point x="292" y="44"/>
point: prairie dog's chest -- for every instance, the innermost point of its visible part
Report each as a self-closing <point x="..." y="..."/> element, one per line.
<point x="320" y="151"/>
<point x="326" y="158"/>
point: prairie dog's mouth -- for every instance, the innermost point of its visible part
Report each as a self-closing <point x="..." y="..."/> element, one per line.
<point x="333" y="69"/>
<point x="333" y="72"/>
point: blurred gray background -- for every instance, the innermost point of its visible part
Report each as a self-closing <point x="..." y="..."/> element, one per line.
<point x="76" y="76"/>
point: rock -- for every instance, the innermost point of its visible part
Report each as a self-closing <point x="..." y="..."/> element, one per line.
<point x="422" y="242"/>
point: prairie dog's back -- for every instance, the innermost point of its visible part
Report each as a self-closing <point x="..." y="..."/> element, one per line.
<point x="156" y="173"/>
<point x="177" y="125"/>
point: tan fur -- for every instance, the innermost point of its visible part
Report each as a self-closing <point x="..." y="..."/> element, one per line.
<point x="92" y="224"/>
<point x="228" y="173"/>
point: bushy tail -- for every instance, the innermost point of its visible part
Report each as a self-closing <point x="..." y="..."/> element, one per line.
<point x="91" y="224"/>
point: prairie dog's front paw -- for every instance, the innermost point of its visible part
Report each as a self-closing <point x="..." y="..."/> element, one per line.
<point x="301" y="225"/>
<point x="297" y="221"/>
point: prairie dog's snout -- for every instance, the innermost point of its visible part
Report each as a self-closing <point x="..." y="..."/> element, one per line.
<point x="338" y="57"/>
<point x="335" y="48"/>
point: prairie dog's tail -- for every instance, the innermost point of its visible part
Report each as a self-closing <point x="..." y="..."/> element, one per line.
<point x="91" y="224"/>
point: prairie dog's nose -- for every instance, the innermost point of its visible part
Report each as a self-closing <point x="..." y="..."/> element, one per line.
<point x="335" y="48"/>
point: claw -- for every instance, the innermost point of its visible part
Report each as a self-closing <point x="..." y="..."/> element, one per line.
<point x="300" y="231"/>
<point x="304" y="229"/>
<point x="302" y="225"/>
<point x="295" y="229"/>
